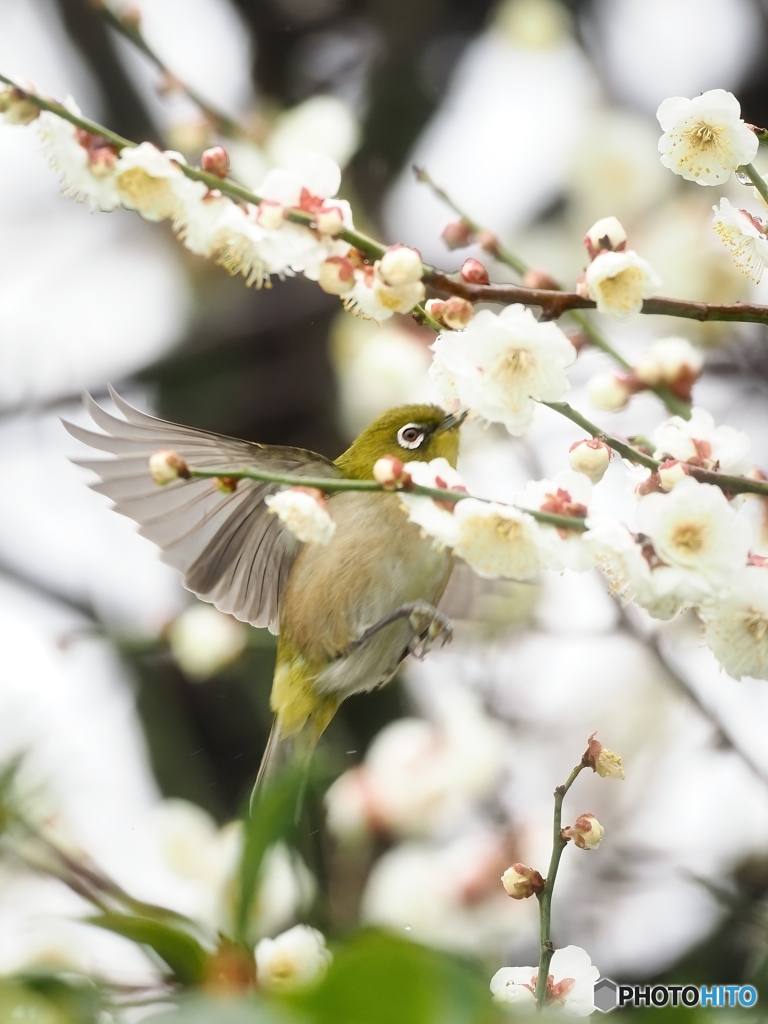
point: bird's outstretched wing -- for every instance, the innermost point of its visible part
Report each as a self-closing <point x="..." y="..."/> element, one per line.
<point x="228" y="548"/>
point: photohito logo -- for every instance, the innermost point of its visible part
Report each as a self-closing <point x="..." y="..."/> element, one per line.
<point x="609" y="995"/>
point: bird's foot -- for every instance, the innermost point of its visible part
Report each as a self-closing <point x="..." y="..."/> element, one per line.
<point x="428" y="625"/>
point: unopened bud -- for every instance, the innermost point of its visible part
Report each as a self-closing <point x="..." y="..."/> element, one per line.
<point x="329" y="220"/>
<point x="167" y="466"/>
<point x="673" y="362"/>
<point x="590" y="458"/>
<point x="602" y="760"/>
<point x="226" y="484"/>
<point x="473" y="272"/>
<point x="215" y="161"/>
<point x="605" y="235"/>
<point x="520" y="882"/>
<point x="540" y="279"/>
<point x="435" y="308"/>
<point x="457" y="234"/>
<point x="608" y="392"/>
<point x="651" y="485"/>
<point x="16" y="109"/>
<point x="457" y="313"/>
<point x="336" y="275"/>
<point x="671" y="473"/>
<point x="390" y="472"/>
<point x="400" y="266"/>
<point x="270" y="215"/>
<point x="488" y="242"/>
<point x="131" y="16"/>
<point x="586" y="832"/>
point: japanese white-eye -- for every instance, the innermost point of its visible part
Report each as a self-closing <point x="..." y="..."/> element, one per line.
<point x="347" y="612"/>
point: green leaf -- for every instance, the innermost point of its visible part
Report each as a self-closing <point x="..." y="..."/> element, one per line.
<point x="182" y="952"/>
<point x="272" y="818"/>
<point x="380" y="979"/>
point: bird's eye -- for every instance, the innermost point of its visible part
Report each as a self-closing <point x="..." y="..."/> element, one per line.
<point x="410" y="436"/>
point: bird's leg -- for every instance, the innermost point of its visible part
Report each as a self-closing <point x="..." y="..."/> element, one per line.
<point x="427" y="623"/>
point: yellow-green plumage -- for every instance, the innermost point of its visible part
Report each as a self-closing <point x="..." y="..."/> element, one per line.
<point x="376" y="562"/>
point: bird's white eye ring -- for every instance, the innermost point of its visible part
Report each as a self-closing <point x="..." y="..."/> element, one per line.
<point x="410" y="436"/>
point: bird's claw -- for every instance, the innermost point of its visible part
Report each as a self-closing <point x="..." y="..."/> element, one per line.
<point x="429" y="626"/>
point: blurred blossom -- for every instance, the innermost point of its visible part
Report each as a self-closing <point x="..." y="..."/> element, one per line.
<point x="378" y="368"/>
<point x="293" y="961"/>
<point x="324" y="124"/>
<point x="446" y="895"/>
<point x="570" y="984"/>
<point x="421" y="777"/>
<point x="203" y="640"/>
<point x="664" y="48"/>
<point x="616" y="168"/>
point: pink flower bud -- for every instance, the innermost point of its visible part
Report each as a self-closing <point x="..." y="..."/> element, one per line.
<point x="605" y="235"/>
<point x="534" y="278"/>
<point x="586" y="832"/>
<point x="473" y="272"/>
<point x="336" y="275"/>
<point x="671" y="473"/>
<point x="270" y="215"/>
<point x="167" y="466"/>
<point x="457" y="234"/>
<point x="329" y="220"/>
<point x="590" y="458"/>
<point x="390" y="472"/>
<point x="520" y="882"/>
<point x="602" y="760"/>
<point x="435" y="308"/>
<point x="457" y="312"/>
<point x="488" y="242"/>
<point x="215" y="161"/>
<point x="400" y="266"/>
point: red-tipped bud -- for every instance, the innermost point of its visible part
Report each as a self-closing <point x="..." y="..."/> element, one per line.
<point x="226" y="484"/>
<point x="435" y="308"/>
<point x="457" y="234"/>
<point x="534" y="278"/>
<point x="671" y="473"/>
<point x="605" y="235"/>
<point x="520" y="882"/>
<point x="473" y="272"/>
<point x="336" y="275"/>
<point x="590" y="458"/>
<point x="215" y="161"/>
<point x="390" y="472"/>
<point x="329" y="220"/>
<point x="270" y="215"/>
<point x="586" y="832"/>
<point x="608" y="391"/>
<point x="602" y="760"/>
<point x="457" y="313"/>
<point x="167" y="466"/>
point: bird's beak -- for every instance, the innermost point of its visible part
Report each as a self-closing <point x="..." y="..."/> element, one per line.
<point x="451" y="421"/>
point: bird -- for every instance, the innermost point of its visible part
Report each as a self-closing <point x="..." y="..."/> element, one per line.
<point x="347" y="613"/>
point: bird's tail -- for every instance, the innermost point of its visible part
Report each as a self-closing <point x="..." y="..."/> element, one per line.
<point x="280" y="751"/>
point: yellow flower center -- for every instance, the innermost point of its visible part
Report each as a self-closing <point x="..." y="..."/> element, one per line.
<point x="705" y="137"/>
<point x="690" y="537"/>
<point x="147" y="193"/>
<point x="513" y="365"/>
<point x="756" y="625"/>
<point x="623" y="290"/>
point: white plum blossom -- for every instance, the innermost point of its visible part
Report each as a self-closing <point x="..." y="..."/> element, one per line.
<point x="570" y="984"/>
<point x="204" y="640"/>
<point x="694" y="528"/>
<point x="590" y="457"/>
<point x="699" y="442"/>
<point x="303" y="512"/>
<point x="86" y="164"/>
<point x="736" y="625"/>
<point x="497" y="541"/>
<point x="373" y="298"/>
<point x="745" y="236"/>
<point x="436" y="519"/>
<point x="634" y="571"/>
<point x="618" y="282"/>
<point x="705" y="139"/>
<point x="569" y="494"/>
<point x="400" y="266"/>
<point x="670" y="361"/>
<point x="293" y="961"/>
<point x="606" y="234"/>
<point x="608" y="391"/>
<point x="501" y="364"/>
<point x="152" y="183"/>
<point x="419" y="776"/>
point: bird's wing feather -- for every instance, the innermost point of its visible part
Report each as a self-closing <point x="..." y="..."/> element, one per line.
<point x="228" y="548"/>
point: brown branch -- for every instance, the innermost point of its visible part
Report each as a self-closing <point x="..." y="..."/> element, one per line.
<point x="554" y="303"/>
